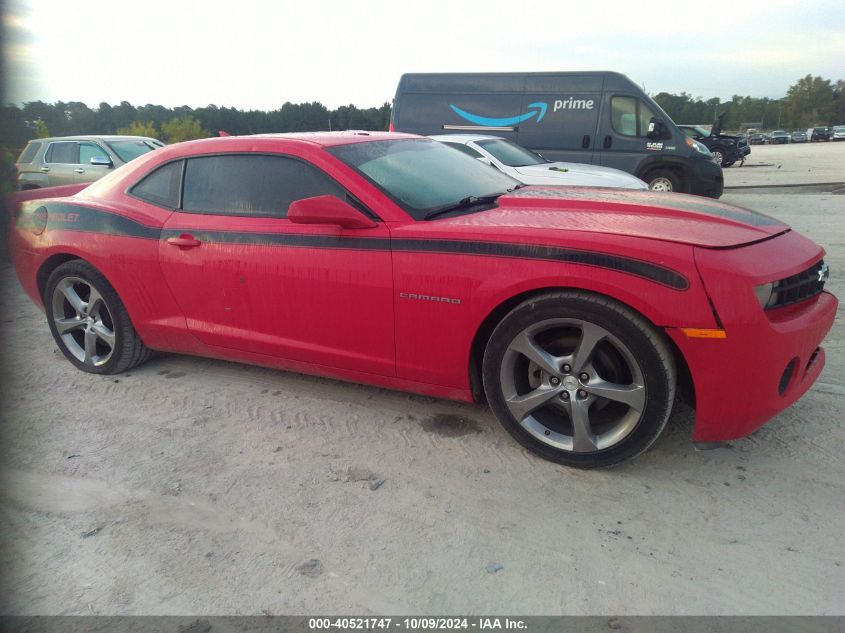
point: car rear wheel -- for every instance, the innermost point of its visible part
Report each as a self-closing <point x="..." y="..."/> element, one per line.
<point x="663" y="180"/>
<point x="579" y="379"/>
<point x="89" y="322"/>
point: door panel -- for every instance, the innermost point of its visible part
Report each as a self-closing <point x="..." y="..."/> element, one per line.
<point x="317" y="294"/>
<point x="59" y="163"/>
<point x="84" y="171"/>
<point x="567" y="129"/>
<point x="622" y="136"/>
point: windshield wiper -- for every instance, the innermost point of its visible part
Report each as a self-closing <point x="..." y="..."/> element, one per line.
<point x="463" y="203"/>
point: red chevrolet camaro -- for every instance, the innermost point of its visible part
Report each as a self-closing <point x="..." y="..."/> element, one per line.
<point x="393" y="260"/>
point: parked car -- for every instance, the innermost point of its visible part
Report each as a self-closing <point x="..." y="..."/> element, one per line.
<point x="778" y="137"/>
<point x="390" y="259"/>
<point x="758" y="138"/>
<point x="838" y="133"/>
<point x="820" y="134"/>
<point x="726" y="149"/>
<point x="580" y="117"/>
<point x="67" y="160"/>
<point x="798" y="136"/>
<point x="532" y="169"/>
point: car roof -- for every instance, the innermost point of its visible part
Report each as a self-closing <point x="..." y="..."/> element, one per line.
<point x="464" y="138"/>
<point x="95" y="137"/>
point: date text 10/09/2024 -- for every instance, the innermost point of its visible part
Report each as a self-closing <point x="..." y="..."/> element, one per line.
<point x="416" y="624"/>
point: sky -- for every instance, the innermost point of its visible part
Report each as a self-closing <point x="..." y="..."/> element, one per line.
<point x="250" y="54"/>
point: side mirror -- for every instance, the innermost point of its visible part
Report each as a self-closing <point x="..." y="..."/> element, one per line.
<point x="481" y="159"/>
<point x="657" y="129"/>
<point x="328" y="210"/>
<point x="102" y="161"/>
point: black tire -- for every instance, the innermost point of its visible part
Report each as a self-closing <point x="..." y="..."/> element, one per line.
<point x="663" y="180"/>
<point x="643" y="345"/>
<point x="108" y="317"/>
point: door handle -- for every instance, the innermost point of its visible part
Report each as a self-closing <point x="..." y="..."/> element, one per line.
<point x="79" y="170"/>
<point x="585" y="142"/>
<point x="185" y="240"/>
<point x="608" y="141"/>
<point x="45" y="169"/>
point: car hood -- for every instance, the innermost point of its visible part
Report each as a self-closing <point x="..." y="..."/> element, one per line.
<point x="668" y="217"/>
<point x="577" y="174"/>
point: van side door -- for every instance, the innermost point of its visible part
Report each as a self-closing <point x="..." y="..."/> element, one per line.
<point x="623" y="137"/>
<point x="567" y="131"/>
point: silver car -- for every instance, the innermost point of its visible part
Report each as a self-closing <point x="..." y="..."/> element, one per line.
<point x="532" y="169"/>
<point x="67" y="160"/>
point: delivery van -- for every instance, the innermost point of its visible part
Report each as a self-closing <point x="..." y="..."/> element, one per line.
<point x="601" y="118"/>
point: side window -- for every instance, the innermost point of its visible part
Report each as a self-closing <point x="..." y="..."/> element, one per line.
<point x="29" y="152"/>
<point x="629" y="116"/>
<point x="64" y="152"/>
<point x="161" y="187"/>
<point x="88" y="151"/>
<point x="645" y="118"/>
<point x="466" y="149"/>
<point x="251" y="184"/>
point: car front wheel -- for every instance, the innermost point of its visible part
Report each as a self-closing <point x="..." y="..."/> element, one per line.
<point x="579" y="379"/>
<point x="89" y="322"/>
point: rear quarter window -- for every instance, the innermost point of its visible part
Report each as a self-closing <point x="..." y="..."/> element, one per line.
<point x="29" y="152"/>
<point x="162" y="186"/>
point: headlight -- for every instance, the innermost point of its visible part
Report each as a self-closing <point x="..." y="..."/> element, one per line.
<point x="701" y="148"/>
<point x="764" y="293"/>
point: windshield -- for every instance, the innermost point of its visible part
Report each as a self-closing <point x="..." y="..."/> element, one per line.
<point x="128" y="150"/>
<point x="421" y="174"/>
<point x="510" y="154"/>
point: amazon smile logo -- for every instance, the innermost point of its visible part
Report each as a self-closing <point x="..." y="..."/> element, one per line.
<point x="539" y="109"/>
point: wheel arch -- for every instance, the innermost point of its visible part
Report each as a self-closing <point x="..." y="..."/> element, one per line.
<point x="49" y="265"/>
<point x="686" y="386"/>
<point x="677" y="167"/>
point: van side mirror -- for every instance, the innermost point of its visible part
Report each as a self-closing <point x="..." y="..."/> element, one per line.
<point x="328" y="210"/>
<point x="657" y="130"/>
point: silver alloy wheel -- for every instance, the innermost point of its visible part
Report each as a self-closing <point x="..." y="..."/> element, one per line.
<point x="661" y="183"/>
<point x="573" y="385"/>
<point x="717" y="156"/>
<point x="83" y="321"/>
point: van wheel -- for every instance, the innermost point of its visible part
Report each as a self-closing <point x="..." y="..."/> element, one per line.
<point x="663" y="180"/>
<point x="579" y="379"/>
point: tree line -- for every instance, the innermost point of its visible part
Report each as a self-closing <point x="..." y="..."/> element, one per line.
<point x="809" y="102"/>
<point x="171" y="125"/>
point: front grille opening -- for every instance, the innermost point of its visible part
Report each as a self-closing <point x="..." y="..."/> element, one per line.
<point x="786" y="377"/>
<point x="804" y="285"/>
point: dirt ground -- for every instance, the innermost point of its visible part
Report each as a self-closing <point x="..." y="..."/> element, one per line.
<point x="194" y="486"/>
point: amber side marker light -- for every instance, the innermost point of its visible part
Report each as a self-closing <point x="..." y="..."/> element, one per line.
<point x="693" y="332"/>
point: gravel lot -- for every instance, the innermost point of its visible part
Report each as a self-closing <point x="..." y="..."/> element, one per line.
<point x="193" y="486"/>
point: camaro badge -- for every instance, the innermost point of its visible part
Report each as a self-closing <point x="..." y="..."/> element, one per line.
<point x="413" y="295"/>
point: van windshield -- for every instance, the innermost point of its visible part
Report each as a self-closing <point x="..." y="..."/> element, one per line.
<point x="511" y="154"/>
<point x="422" y="175"/>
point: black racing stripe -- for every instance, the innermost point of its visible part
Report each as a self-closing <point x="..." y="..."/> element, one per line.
<point x="73" y="217"/>
<point x="647" y="270"/>
<point x="283" y="239"/>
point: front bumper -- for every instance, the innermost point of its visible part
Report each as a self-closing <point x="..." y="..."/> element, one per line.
<point x="706" y="178"/>
<point x="743" y="381"/>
